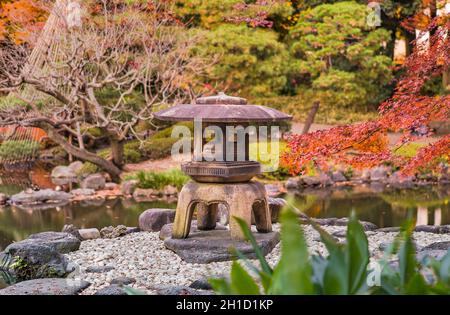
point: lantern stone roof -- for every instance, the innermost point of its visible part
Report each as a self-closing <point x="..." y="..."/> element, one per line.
<point x="222" y="108"/>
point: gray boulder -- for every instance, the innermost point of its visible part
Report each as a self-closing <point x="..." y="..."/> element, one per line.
<point x="89" y="234"/>
<point x="203" y="247"/>
<point x="111" y="186"/>
<point x="365" y="175"/>
<point x="293" y="183"/>
<point x="170" y="190"/>
<point x="46" y="287"/>
<point x="83" y="192"/>
<point x="61" y="242"/>
<point x="76" y="166"/>
<point x="40" y="197"/>
<point x="273" y="190"/>
<point x="310" y="180"/>
<point x="393" y="229"/>
<point x="180" y="290"/>
<point x="113" y="232"/>
<point x="201" y="284"/>
<point x="71" y="229"/>
<point x="32" y="260"/>
<point x="338" y="177"/>
<point x="367" y="226"/>
<point x="379" y="173"/>
<point x="63" y="172"/>
<point x="325" y="180"/>
<point x="152" y="220"/>
<point x="111" y="290"/>
<point x="128" y="187"/>
<point x="94" y="181"/>
<point x="41" y="255"/>
<point x="437" y="246"/>
<point x="99" y="269"/>
<point x="123" y="281"/>
<point x="436" y="254"/>
<point x="145" y="194"/>
<point x="401" y="182"/>
<point x="275" y="206"/>
<point x="166" y="230"/>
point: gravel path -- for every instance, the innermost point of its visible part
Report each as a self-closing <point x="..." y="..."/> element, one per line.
<point x="142" y="256"/>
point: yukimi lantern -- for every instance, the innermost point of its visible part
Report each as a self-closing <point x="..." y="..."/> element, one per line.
<point x="222" y="170"/>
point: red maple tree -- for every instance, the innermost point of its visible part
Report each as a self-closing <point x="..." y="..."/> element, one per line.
<point x="408" y="111"/>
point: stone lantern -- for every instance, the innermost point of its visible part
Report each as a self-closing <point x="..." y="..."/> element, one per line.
<point x="227" y="178"/>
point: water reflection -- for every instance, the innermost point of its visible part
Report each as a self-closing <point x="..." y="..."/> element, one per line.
<point x="16" y="224"/>
<point x="429" y="205"/>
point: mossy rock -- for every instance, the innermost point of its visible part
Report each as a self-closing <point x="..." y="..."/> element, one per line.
<point x="87" y="169"/>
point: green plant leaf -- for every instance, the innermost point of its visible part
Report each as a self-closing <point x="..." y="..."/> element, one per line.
<point x="293" y="274"/>
<point x="416" y="285"/>
<point x="335" y="279"/>
<point x="330" y="243"/>
<point x="357" y="255"/>
<point x="444" y="270"/>
<point x="319" y="265"/>
<point x="220" y="286"/>
<point x="259" y="254"/>
<point x="407" y="255"/>
<point x="266" y="279"/>
<point x="242" y="282"/>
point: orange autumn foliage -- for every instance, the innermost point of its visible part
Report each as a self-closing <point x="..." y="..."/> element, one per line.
<point x="376" y="143"/>
<point x="20" y="18"/>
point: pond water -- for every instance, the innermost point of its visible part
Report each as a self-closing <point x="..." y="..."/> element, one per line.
<point x="386" y="208"/>
<point x="429" y="205"/>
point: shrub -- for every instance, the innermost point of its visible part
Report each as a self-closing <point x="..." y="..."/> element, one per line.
<point x="343" y="271"/>
<point x="19" y="149"/>
<point x="155" y="149"/>
<point x="159" y="180"/>
<point x="87" y="169"/>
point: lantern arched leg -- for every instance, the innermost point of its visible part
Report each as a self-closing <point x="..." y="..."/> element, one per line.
<point x="207" y="216"/>
<point x="262" y="216"/>
<point x="183" y="216"/>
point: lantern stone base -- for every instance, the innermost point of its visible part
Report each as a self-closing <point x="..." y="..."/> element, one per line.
<point x="203" y="247"/>
<point x="243" y="201"/>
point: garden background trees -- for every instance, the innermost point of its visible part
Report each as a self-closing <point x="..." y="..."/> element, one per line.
<point x="127" y="51"/>
<point x="338" y="58"/>
<point x="288" y="54"/>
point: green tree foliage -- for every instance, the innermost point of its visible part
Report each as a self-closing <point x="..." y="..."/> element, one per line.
<point x="250" y="61"/>
<point x="339" y="56"/>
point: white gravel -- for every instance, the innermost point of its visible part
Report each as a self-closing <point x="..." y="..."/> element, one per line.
<point x="142" y="256"/>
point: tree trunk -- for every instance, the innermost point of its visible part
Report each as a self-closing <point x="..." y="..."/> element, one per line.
<point x="117" y="148"/>
<point x="446" y="80"/>
<point x="81" y="154"/>
<point x="409" y="38"/>
<point x="310" y="119"/>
